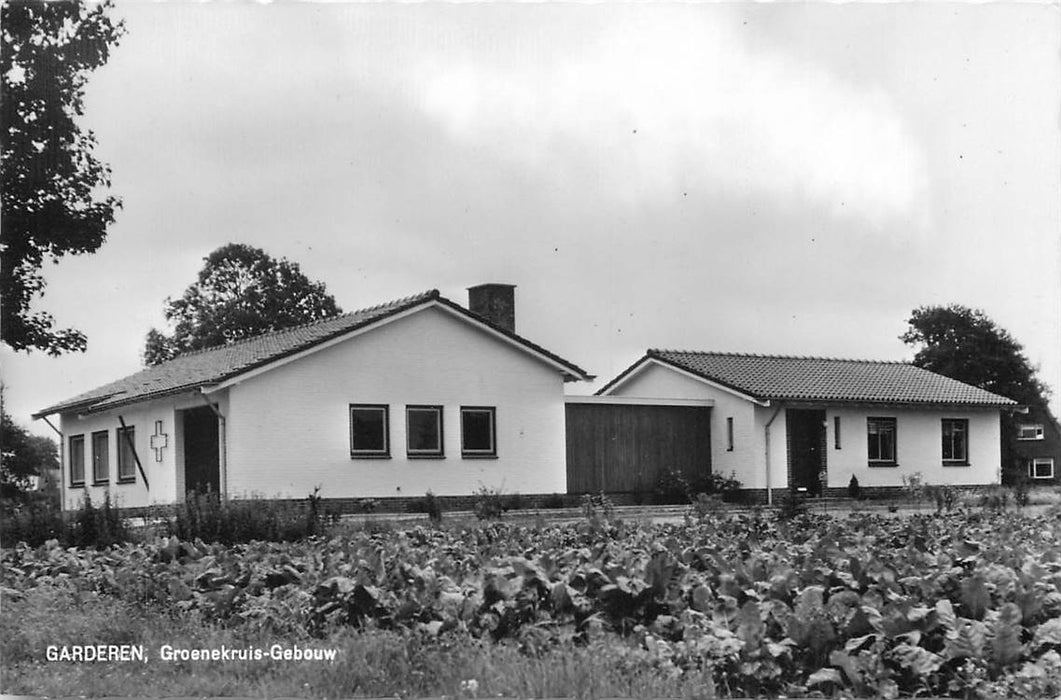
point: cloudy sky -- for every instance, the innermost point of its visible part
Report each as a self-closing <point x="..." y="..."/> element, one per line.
<point x="771" y="178"/>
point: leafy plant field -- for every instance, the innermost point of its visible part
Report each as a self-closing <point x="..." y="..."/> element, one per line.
<point x="964" y="604"/>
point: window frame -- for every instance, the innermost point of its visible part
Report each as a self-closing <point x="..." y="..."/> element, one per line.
<point x="126" y="439"/>
<point x="952" y="461"/>
<point x="836" y="432"/>
<point x="80" y="439"/>
<point x="890" y="421"/>
<point x="475" y="453"/>
<point x="105" y="436"/>
<point x="383" y="453"/>
<point x="1035" y="462"/>
<point x="1037" y="428"/>
<point x="434" y="453"/>
<point x="729" y="433"/>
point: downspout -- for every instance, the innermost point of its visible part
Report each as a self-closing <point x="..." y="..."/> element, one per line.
<point x="62" y="461"/>
<point x="223" y="437"/>
<point x="766" y="428"/>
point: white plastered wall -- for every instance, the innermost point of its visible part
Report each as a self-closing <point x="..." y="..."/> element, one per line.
<point x="161" y="467"/>
<point x="918" y="447"/>
<point x="288" y="429"/>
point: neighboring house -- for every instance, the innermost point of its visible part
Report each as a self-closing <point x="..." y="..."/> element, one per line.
<point x="414" y="395"/>
<point x="1038" y="445"/>
<point x="801" y="422"/>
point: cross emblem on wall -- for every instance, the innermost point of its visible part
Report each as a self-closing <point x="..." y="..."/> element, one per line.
<point x="159" y="441"/>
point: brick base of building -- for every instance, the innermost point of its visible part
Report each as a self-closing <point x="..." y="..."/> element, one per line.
<point x="531" y="502"/>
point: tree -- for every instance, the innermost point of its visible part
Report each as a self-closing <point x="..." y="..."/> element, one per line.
<point x="964" y="344"/>
<point x="23" y="455"/>
<point x="51" y="180"/>
<point x="241" y="292"/>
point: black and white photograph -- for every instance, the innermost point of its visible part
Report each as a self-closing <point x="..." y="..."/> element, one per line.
<point x="477" y="350"/>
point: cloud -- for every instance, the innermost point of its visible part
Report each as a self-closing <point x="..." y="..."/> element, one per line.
<point x="656" y="104"/>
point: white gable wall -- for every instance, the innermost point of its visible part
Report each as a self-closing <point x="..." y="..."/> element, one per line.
<point x="747" y="458"/>
<point x="288" y="429"/>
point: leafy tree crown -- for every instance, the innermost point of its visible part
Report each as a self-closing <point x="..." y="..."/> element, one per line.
<point x="964" y="344"/>
<point x="240" y="292"/>
<point x="52" y="182"/>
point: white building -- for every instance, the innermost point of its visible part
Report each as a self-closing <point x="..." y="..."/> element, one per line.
<point x="813" y="423"/>
<point x="414" y="395"/>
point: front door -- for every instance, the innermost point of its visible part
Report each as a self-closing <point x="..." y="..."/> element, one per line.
<point x="806" y="450"/>
<point x="202" y="457"/>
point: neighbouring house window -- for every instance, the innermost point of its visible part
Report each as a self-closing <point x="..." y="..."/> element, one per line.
<point x="881" y="440"/>
<point x="423" y="430"/>
<point x="1041" y="468"/>
<point x="369" y="430"/>
<point x="100" y="457"/>
<point x="836" y="432"/>
<point x="126" y="456"/>
<point x="77" y="460"/>
<point x="1030" y="431"/>
<point x="955" y="441"/>
<point x="729" y="434"/>
<point x="478" y="431"/>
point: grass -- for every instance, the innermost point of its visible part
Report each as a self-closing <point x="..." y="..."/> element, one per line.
<point x="370" y="663"/>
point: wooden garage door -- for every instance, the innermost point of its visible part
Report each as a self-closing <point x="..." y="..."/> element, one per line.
<point x="624" y="447"/>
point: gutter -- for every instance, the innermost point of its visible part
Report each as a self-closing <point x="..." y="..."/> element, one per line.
<point x="766" y="429"/>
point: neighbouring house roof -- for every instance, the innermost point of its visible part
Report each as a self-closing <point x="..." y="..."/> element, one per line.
<point x="774" y="377"/>
<point x="205" y="368"/>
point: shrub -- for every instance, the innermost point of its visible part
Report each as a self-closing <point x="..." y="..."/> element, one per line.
<point x="489" y="503"/>
<point x="34" y="518"/>
<point x="433" y="507"/>
<point x="854" y="490"/>
<point x="994" y="499"/>
<point x="97" y="527"/>
<point x="672" y="487"/>
<point x="598" y="511"/>
<point x="914" y="486"/>
<point x="705" y="506"/>
<point x="1021" y="489"/>
<point x="943" y="496"/>
<point x="792" y="505"/>
<point x="207" y="517"/>
<point x="715" y="484"/>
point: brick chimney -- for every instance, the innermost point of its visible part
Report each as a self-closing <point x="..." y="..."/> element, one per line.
<point x="494" y="302"/>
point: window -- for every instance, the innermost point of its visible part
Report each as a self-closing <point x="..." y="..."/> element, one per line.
<point x="881" y="441"/>
<point x="369" y="430"/>
<point x="77" y="460"/>
<point x="100" y="457"/>
<point x="1030" y="431"/>
<point x="423" y="431"/>
<point x="478" y="431"/>
<point x="729" y="434"/>
<point x="126" y="453"/>
<point x="836" y="432"/>
<point x="955" y="441"/>
<point x="1041" y="468"/>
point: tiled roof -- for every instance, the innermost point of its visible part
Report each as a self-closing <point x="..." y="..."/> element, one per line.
<point x="207" y="367"/>
<point x="776" y="377"/>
